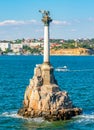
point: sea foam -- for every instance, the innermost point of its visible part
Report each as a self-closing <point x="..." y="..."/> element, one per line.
<point x="14" y="114"/>
<point x="85" y="118"/>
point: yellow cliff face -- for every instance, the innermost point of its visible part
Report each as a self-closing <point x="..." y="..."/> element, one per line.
<point x="76" y="51"/>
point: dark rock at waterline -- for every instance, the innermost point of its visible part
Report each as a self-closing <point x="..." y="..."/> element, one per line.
<point x="64" y="114"/>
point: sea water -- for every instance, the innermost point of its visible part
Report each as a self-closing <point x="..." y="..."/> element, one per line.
<point x="15" y="73"/>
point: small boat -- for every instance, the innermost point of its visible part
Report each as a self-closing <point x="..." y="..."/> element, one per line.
<point x="64" y="68"/>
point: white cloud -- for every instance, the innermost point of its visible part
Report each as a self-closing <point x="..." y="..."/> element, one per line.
<point x="73" y="30"/>
<point x="39" y="30"/>
<point x="11" y="22"/>
<point x="91" y="19"/>
<point x="33" y="21"/>
<point x="57" y="22"/>
<point x="14" y="22"/>
<point x="77" y="21"/>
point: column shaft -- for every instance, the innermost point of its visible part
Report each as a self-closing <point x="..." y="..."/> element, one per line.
<point x="46" y="44"/>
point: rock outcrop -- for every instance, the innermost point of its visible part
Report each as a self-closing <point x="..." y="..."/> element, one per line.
<point x="43" y="97"/>
<point x="74" y="51"/>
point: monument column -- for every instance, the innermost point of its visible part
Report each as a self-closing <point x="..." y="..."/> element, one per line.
<point x="46" y="44"/>
<point x="46" y="68"/>
<point x="43" y="97"/>
<point x="46" y="20"/>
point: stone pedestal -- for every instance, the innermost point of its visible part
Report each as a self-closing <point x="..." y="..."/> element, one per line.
<point x="43" y="97"/>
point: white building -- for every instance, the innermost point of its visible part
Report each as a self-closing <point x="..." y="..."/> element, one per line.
<point x="4" y="46"/>
<point x="32" y="44"/>
<point x="16" y="47"/>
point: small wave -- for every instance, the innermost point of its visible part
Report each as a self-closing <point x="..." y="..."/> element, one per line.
<point x="36" y="120"/>
<point x="15" y="115"/>
<point x="10" y="114"/>
<point x="85" y="118"/>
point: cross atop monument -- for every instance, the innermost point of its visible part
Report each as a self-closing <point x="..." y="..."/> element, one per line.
<point x="46" y="19"/>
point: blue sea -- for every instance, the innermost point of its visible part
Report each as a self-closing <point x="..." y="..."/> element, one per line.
<point x="15" y="73"/>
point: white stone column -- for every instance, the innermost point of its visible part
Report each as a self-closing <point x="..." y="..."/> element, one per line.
<point x="46" y="44"/>
<point x="46" y="20"/>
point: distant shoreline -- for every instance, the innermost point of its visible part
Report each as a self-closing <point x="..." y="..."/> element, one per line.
<point x="50" y="55"/>
<point x="62" y="52"/>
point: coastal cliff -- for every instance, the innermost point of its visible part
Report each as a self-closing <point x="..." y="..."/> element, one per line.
<point x="75" y="51"/>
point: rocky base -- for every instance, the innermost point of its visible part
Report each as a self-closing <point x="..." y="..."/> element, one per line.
<point x="43" y="97"/>
<point x="56" y="115"/>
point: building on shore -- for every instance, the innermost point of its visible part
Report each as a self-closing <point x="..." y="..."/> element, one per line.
<point x="4" y="46"/>
<point x="16" y="48"/>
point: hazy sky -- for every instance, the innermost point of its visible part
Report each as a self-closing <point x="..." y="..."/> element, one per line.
<point x="72" y="19"/>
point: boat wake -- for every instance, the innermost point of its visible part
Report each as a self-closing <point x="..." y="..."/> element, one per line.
<point x="65" y="69"/>
<point x="83" y="70"/>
